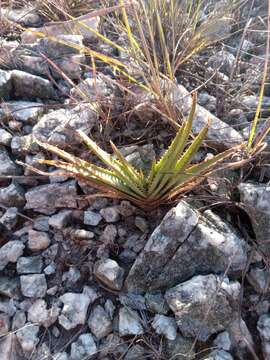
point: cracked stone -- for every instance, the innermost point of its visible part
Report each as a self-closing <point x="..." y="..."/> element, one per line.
<point x="74" y="310"/>
<point x="185" y="244"/>
<point x="191" y="300"/>
<point x="10" y="252"/>
<point x="33" y="285"/>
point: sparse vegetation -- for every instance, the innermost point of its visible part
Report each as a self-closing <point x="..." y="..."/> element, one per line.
<point x="127" y="120"/>
<point x="169" y="177"/>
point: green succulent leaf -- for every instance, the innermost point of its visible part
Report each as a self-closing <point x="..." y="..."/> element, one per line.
<point x="167" y="179"/>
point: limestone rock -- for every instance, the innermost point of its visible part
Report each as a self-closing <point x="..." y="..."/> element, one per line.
<point x="57" y="127"/>
<point x="110" y="273"/>
<point x="74" y="310"/>
<point x="10" y="252"/>
<point x="129" y="322"/>
<point x="52" y="196"/>
<point x="183" y="245"/>
<point x="202" y="305"/>
<point x="34" y="286"/>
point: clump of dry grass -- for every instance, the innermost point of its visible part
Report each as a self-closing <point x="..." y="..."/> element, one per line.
<point x="57" y="10"/>
<point x="54" y="10"/>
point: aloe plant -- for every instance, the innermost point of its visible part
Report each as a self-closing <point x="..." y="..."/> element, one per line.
<point x="169" y="177"/>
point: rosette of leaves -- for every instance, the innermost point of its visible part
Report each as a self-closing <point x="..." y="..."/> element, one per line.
<point x="169" y="177"/>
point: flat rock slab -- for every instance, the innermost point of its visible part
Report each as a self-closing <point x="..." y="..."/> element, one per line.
<point x="58" y="127"/>
<point x="27" y="86"/>
<point x="185" y="244"/>
<point x="51" y="196"/>
<point x="78" y="26"/>
<point x="24" y="111"/>
<point x="219" y="134"/>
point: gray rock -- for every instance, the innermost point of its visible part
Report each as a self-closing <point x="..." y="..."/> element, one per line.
<point x="156" y="303"/>
<point x="61" y="219"/>
<point x="141" y="224"/>
<point x="110" y="273"/>
<point x="66" y="28"/>
<point x="41" y="223"/>
<point x="28" y="337"/>
<point x="5" y="137"/>
<point x="82" y="234"/>
<point x="263" y="327"/>
<point x="83" y="348"/>
<point x="256" y="197"/>
<point x="51" y="253"/>
<point x="19" y="320"/>
<point x="57" y="127"/>
<point x="23" y="144"/>
<point x="202" y="305"/>
<point x="129" y="322"/>
<point x="52" y="291"/>
<point x="12" y="195"/>
<point x="26" y="112"/>
<point x="7" y="166"/>
<point x="72" y="66"/>
<point x="55" y="49"/>
<point x="38" y="240"/>
<point x="91" y="218"/>
<point x="165" y="325"/>
<point x="251" y="102"/>
<point x="219" y="355"/>
<point x="110" y="214"/>
<point x="99" y="322"/>
<point x="10" y="217"/>
<point x="91" y="292"/>
<point x="39" y="314"/>
<point x="9" y="348"/>
<point x="185" y="244"/>
<point x="8" y="306"/>
<point x="33" y="161"/>
<point x="126" y="208"/>
<point x="223" y="341"/>
<point x="92" y="88"/>
<point x="4" y="324"/>
<point x="27" y="86"/>
<point x="223" y="61"/>
<point x="219" y="134"/>
<point x="52" y="196"/>
<point x="33" y="285"/>
<point x="50" y="269"/>
<point x="179" y="349"/>
<point x="29" y="265"/>
<point x="74" y="310"/>
<point x="10" y="252"/>
<point x="5" y="84"/>
<point x="139" y="156"/>
<point x="9" y="286"/>
<point x="26" y="16"/>
<point x="109" y="234"/>
<point x="57" y="177"/>
<point x="259" y="279"/>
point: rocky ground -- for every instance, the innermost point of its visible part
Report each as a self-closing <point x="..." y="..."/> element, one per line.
<point x="91" y="278"/>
